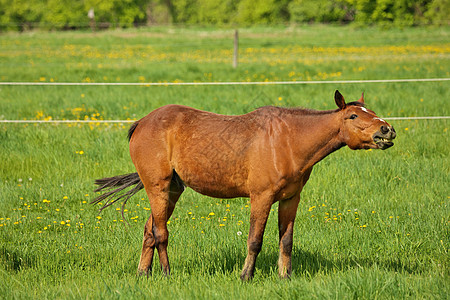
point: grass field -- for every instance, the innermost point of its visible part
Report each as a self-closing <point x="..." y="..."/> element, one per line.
<point x="371" y="224"/>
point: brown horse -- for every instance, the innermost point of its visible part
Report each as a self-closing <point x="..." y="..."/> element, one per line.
<point x="267" y="155"/>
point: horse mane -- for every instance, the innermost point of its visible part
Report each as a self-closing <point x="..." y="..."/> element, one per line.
<point x="306" y="111"/>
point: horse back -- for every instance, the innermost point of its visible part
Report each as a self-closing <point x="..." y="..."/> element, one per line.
<point x="209" y="152"/>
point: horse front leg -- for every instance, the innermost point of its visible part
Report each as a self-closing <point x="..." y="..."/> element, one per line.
<point x="259" y="212"/>
<point x="286" y="215"/>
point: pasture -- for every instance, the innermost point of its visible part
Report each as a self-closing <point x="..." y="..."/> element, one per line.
<point x="370" y="224"/>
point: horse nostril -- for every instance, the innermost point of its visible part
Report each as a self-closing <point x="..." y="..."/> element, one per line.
<point x="393" y="133"/>
<point x="384" y="129"/>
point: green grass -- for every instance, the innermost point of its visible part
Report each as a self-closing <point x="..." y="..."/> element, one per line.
<point x="371" y="224"/>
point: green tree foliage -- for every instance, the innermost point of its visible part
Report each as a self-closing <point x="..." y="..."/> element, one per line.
<point x="122" y="13"/>
<point x="262" y="11"/>
<point x="69" y="14"/>
<point x="320" y="11"/>
<point x="20" y="14"/>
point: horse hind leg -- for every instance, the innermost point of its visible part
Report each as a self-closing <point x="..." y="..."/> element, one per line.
<point x="149" y="242"/>
<point x="148" y="249"/>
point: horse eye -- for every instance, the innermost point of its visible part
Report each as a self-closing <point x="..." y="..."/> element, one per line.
<point x="352" y="117"/>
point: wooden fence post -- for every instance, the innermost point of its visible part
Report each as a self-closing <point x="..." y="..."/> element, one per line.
<point x="236" y="49"/>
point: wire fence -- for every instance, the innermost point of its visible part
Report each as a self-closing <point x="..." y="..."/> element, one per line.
<point x="212" y="84"/>
<point x="400" y="80"/>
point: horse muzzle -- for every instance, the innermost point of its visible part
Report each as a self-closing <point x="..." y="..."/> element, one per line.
<point x="383" y="137"/>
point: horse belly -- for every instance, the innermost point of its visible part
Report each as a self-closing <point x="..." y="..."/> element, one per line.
<point x="213" y="178"/>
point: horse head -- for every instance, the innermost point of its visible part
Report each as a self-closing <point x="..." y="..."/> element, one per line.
<point x="361" y="128"/>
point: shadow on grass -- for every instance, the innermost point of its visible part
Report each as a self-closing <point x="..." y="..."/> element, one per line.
<point x="304" y="263"/>
<point x="14" y="260"/>
<point x="311" y="263"/>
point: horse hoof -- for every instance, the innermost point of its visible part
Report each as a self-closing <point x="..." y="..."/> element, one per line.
<point x="285" y="276"/>
<point x="142" y="273"/>
<point x="246" y="277"/>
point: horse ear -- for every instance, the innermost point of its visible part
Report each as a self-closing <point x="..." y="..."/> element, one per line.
<point x="362" y="98"/>
<point x="339" y="99"/>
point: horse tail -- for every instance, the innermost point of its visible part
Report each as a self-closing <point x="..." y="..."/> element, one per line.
<point x="132" y="129"/>
<point x="115" y="189"/>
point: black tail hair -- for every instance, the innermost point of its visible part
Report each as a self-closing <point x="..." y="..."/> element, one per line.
<point x="114" y="188"/>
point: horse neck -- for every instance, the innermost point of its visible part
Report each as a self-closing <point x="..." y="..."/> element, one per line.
<point x="318" y="135"/>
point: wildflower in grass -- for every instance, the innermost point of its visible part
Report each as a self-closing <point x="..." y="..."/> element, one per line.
<point x="98" y="217"/>
<point x="239" y="233"/>
<point x="221" y="225"/>
<point x="62" y="223"/>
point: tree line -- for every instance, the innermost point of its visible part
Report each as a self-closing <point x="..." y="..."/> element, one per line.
<point x="73" y="14"/>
